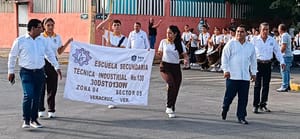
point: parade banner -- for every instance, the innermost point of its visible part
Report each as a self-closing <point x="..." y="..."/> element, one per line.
<point x="107" y="75"/>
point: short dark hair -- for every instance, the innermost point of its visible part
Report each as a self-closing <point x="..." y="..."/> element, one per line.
<point x="242" y="26"/>
<point x="33" y="23"/>
<point x="117" y="21"/>
<point x="263" y="24"/>
<point x="138" y="23"/>
<point x="282" y="27"/>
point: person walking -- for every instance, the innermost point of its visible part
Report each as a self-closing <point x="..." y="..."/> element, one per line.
<point x="113" y="38"/>
<point x="286" y="50"/>
<point x="237" y="60"/>
<point x="30" y="50"/>
<point x="51" y="76"/>
<point x="137" y="38"/>
<point x="170" y="50"/>
<point x="265" y="46"/>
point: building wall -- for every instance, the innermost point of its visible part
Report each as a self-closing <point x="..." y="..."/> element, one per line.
<point x="71" y="25"/>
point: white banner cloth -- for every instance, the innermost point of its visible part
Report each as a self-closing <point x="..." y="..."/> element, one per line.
<point x="106" y="75"/>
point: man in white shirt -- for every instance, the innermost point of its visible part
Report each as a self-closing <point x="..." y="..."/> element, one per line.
<point x="31" y="49"/>
<point x="286" y="50"/>
<point x="237" y="60"/>
<point x="265" y="46"/>
<point x="138" y="39"/>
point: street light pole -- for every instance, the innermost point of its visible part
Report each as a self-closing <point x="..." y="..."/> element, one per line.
<point x="92" y="14"/>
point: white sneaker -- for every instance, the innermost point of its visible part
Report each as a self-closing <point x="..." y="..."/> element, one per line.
<point x="25" y="125"/>
<point x="171" y="115"/>
<point x="42" y="114"/>
<point x="51" y="115"/>
<point x="111" y="106"/>
<point x="169" y="110"/>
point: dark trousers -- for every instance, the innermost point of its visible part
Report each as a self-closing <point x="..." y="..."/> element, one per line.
<point x="51" y="87"/>
<point x="263" y="77"/>
<point x="241" y="88"/>
<point x="171" y="73"/>
<point x="192" y="54"/>
<point x="32" y="83"/>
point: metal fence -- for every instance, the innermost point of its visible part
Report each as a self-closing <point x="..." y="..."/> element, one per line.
<point x="241" y="11"/>
<point x="44" y="6"/>
<point x="6" y="6"/>
<point x="198" y="8"/>
<point x="75" y="6"/>
<point x="132" y="7"/>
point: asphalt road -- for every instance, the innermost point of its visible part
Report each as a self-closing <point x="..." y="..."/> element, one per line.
<point x="198" y="113"/>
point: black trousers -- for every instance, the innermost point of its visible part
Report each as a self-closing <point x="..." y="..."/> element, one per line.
<point x="192" y="54"/>
<point x="263" y="78"/>
<point x="51" y="87"/>
<point x="171" y="73"/>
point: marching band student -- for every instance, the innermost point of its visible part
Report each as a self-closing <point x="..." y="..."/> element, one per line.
<point x="226" y="35"/>
<point x="203" y="37"/>
<point x="216" y="43"/>
<point x="170" y="50"/>
<point x="193" y="47"/>
<point x="51" y="75"/>
<point x="113" y="38"/>
<point x="186" y="36"/>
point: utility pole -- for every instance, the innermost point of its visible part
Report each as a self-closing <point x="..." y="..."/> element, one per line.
<point x="92" y="14"/>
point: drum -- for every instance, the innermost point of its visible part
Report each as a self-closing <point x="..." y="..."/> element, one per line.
<point x="212" y="57"/>
<point x="296" y="54"/>
<point x="200" y="56"/>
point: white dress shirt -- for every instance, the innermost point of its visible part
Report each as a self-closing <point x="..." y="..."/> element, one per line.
<point x="138" y="40"/>
<point x="237" y="58"/>
<point x="170" y="55"/>
<point x="217" y="39"/>
<point x="264" y="50"/>
<point x="31" y="53"/>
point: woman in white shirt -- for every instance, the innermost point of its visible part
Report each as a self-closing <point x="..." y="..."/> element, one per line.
<point x="54" y="41"/>
<point x="170" y="50"/>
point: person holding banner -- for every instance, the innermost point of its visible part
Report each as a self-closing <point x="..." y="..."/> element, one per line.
<point x="51" y="75"/>
<point x="113" y="38"/>
<point x="30" y="50"/>
<point x="170" y="50"/>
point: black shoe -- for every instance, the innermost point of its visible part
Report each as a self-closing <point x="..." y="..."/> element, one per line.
<point x="35" y="124"/>
<point x="186" y="68"/>
<point x="255" y="110"/>
<point x="243" y="121"/>
<point x="224" y="115"/>
<point x="264" y="109"/>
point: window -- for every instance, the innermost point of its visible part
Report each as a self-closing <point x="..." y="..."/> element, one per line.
<point x="44" y="6"/>
<point x="74" y="6"/>
<point x="6" y="6"/>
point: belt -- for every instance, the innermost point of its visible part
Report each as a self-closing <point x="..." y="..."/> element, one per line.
<point x="32" y="70"/>
<point x="264" y="61"/>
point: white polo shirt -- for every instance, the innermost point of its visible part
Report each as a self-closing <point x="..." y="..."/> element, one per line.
<point x="114" y="40"/>
<point x="138" y="40"/>
<point x="203" y="38"/>
<point x="217" y="39"/>
<point x="170" y="55"/>
<point x="54" y="41"/>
